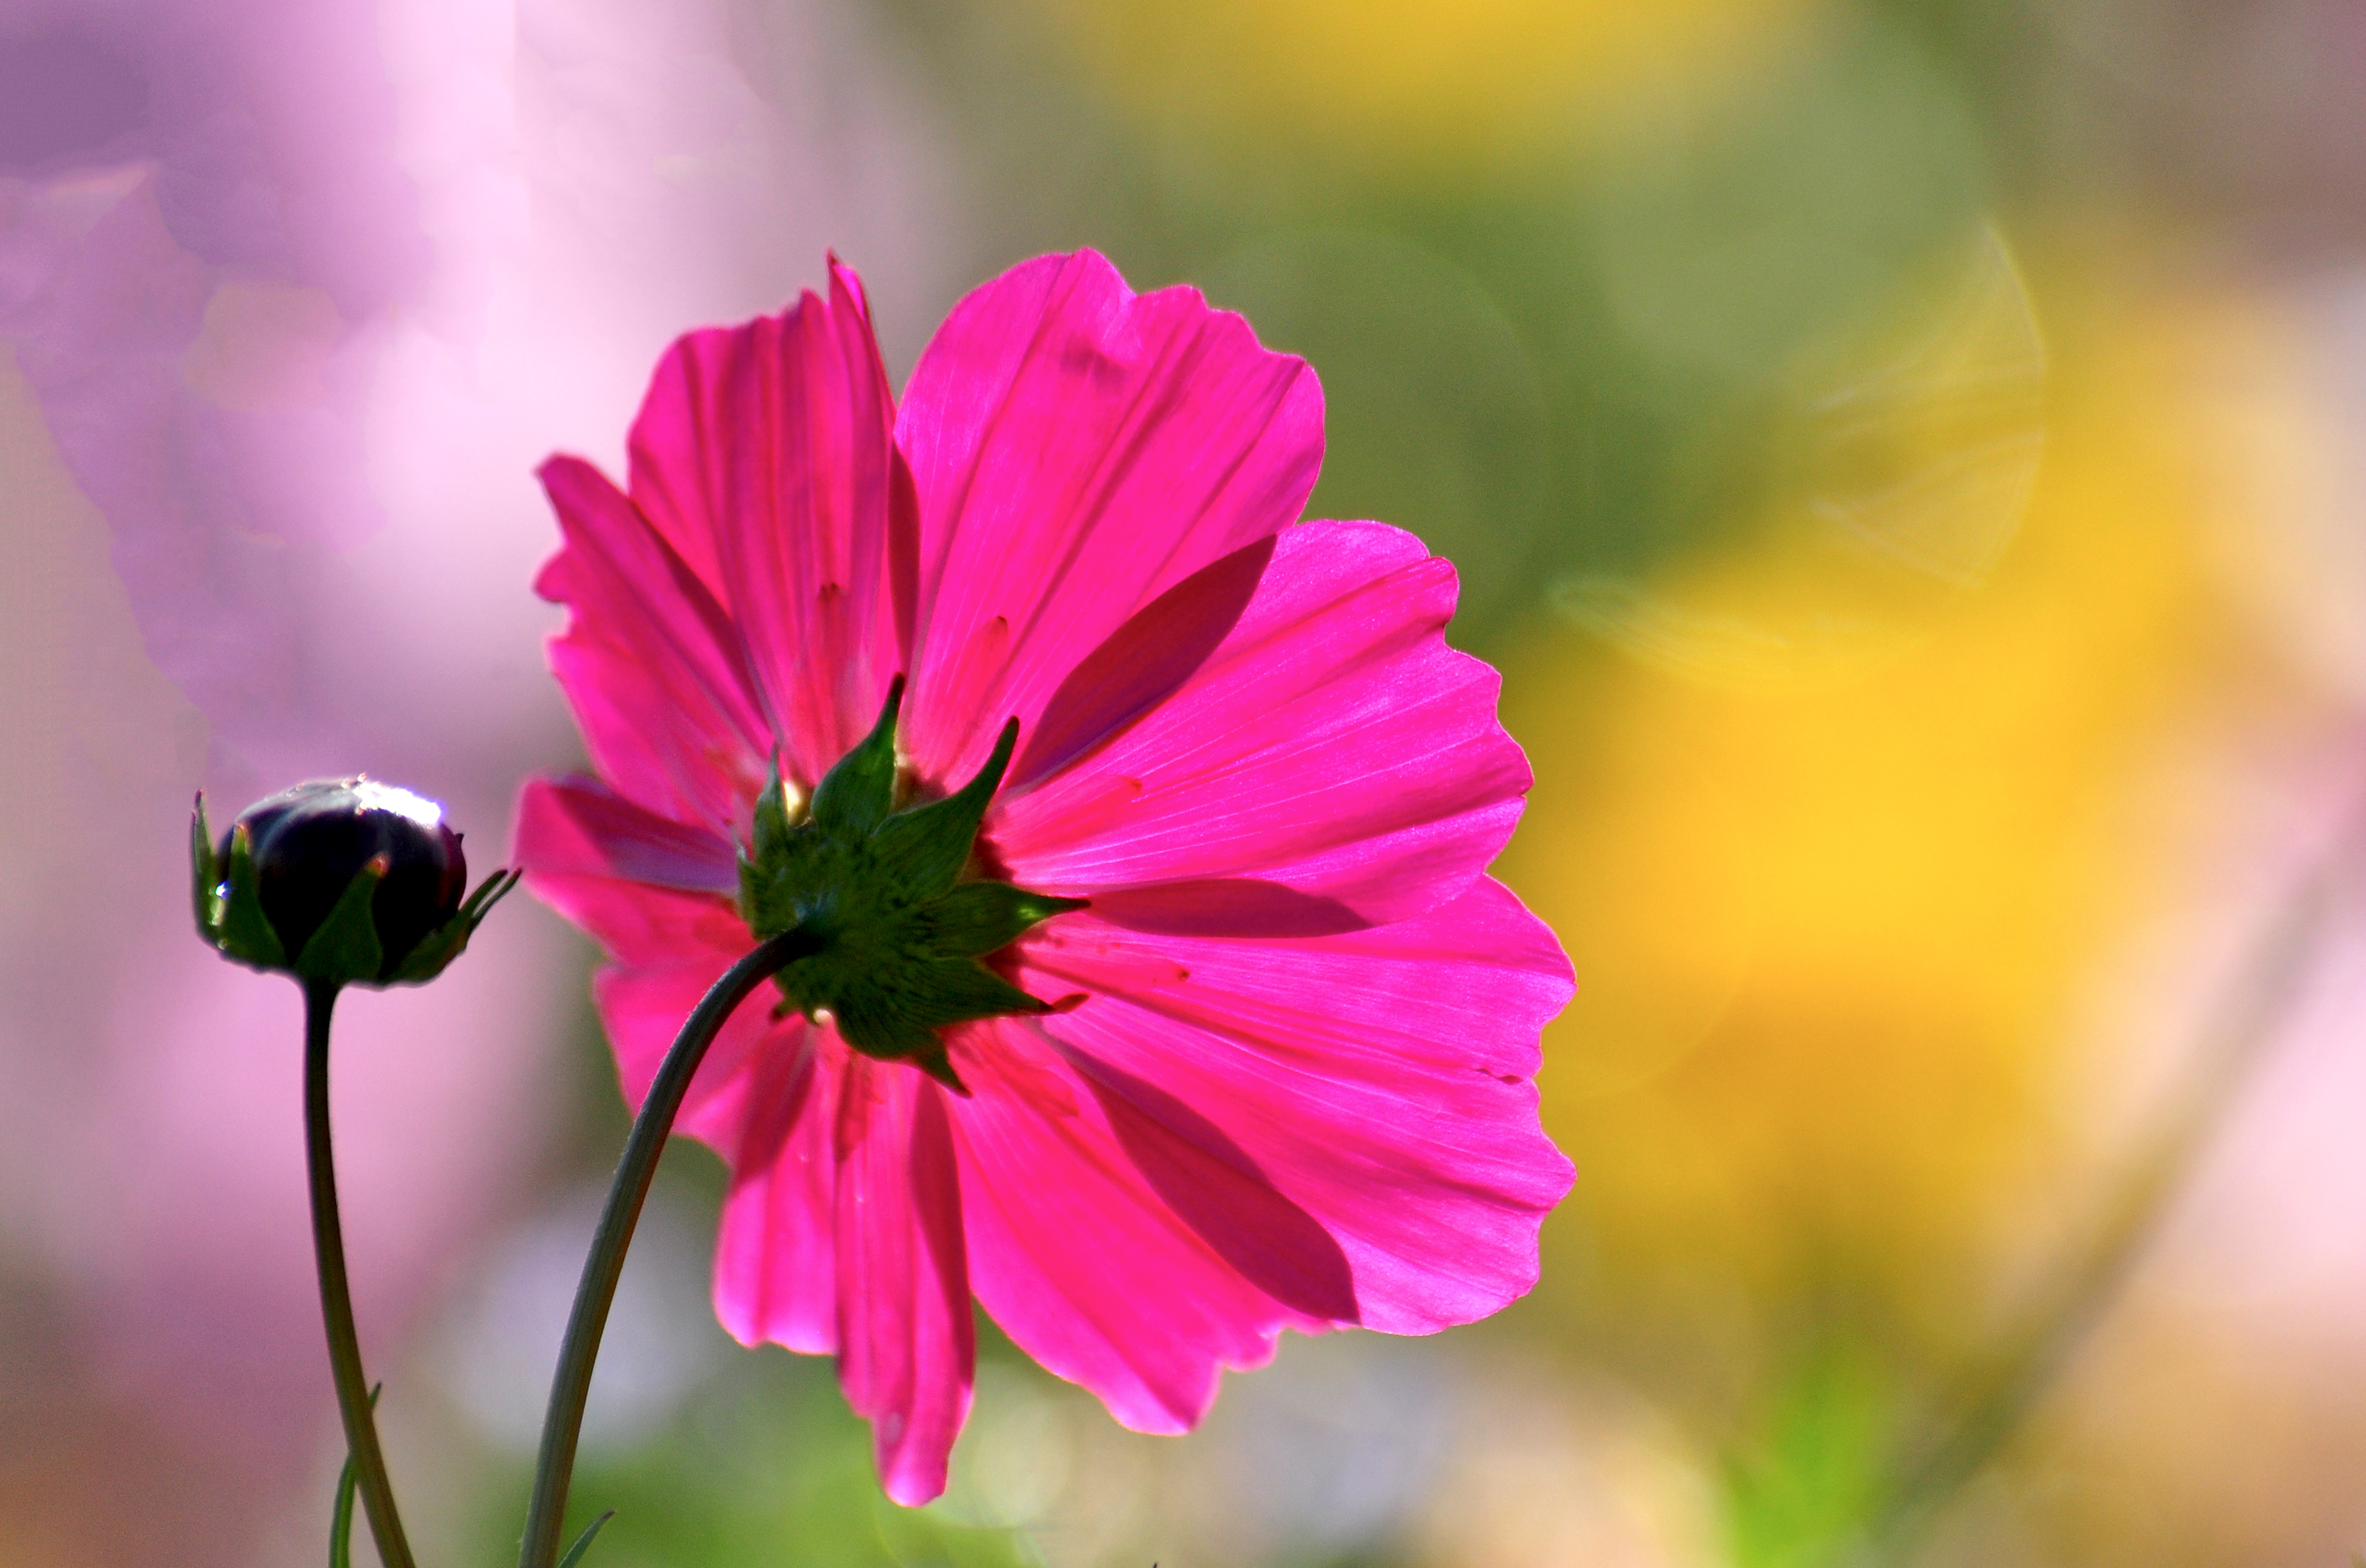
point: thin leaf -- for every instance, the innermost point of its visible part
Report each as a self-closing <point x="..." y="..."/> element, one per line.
<point x="583" y="1542"/>
<point x="341" y="1521"/>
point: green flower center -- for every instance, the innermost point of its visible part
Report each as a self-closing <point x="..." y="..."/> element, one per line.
<point x="888" y="895"/>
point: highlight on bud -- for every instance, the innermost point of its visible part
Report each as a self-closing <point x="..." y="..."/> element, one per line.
<point x="338" y="882"/>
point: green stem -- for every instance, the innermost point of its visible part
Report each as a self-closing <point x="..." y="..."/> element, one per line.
<point x="2233" y="1040"/>
<point x="564" y="1423"/>
<point x="336" y="1299"/>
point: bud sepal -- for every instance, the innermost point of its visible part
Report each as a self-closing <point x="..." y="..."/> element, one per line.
<point x="450" y="939"/>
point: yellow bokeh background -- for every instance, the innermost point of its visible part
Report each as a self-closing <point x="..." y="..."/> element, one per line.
<point x="1832" y="926"/>
<point x="1435" y="83"/>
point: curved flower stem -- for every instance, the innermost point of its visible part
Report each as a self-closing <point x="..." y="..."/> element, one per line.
<point x="336" y="1300"/>
<point x="2234" y="1038"/>
<point x="564" y="1423"/>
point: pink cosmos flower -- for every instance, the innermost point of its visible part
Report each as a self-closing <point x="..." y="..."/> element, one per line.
<point x="1277" y="1073"/>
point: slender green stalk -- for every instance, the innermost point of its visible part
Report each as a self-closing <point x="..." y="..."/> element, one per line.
<point x="336" y="1300"/>
<point x="2232" y="1041"/>
<point x="564" y="1423"/>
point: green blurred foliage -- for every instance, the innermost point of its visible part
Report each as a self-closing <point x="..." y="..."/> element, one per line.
<point x="1800" y="1491"/>
<point x="769" y="1468"/>
<point x="766" y="1467"/>
<point x="1585" y="365"/>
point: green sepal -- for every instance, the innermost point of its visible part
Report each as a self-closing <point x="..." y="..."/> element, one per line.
<point x="345" y="948"/>
<point x="933" y="1060"/>
<point x="888" y="994"/>
<point x="879" y="1023"/>
<point x="779" y="858"/>
<point x="959" y="990"/>
<point x="583" y="1542"/>
<point x="978" y="917"/>
<point x="489" y="892"/>
<point x="895" y="1013"/>
<point x="448" y="941"/>
<point x="205" y="869"/>
<point x="769" y="833"/>
<point x="924" y="849"/>
<point x="240" y="927"/>
<point x="897" y="934"/>
<point x="873" y="1021"/>
<point x="859" y="792"/>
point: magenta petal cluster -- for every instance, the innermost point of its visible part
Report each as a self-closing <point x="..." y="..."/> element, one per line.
<point x="1287" y="1082"/>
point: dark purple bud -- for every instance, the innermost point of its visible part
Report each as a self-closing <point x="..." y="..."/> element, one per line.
<point x="311" y="841"/>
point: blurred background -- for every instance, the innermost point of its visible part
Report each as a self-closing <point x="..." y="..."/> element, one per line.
<point x="1901" y="453"/>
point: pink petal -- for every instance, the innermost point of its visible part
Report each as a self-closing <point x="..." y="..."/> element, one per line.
<point x="641" y="925"/>
<point x="842" y="1232"/>
<point x="1141" y="664"/>
<point x="643" y="1010"/>
<point x="776" y="1254"/>
<point x="581" y="826"/>
<point x="672" y="944"/>
<point x="1331" y="764"/>
<point x="1083" y="1263"/>
<point x="1078" y="450"/>
<point x="1375" y="1079"/>
<point x="906" y="1346"/>
<point x="653" y="670"/>
<point x="765" y="455"/>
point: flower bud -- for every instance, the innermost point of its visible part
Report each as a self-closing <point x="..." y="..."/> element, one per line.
<point x="311" y="841"/>
<point x="336" y="881"/>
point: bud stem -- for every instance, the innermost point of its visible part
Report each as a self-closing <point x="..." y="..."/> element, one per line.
<point x="336" y="1300"/>
<point x="572" y="1383"/>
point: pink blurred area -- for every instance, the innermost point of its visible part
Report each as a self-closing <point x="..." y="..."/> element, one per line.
<point x="293" y="297"/>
